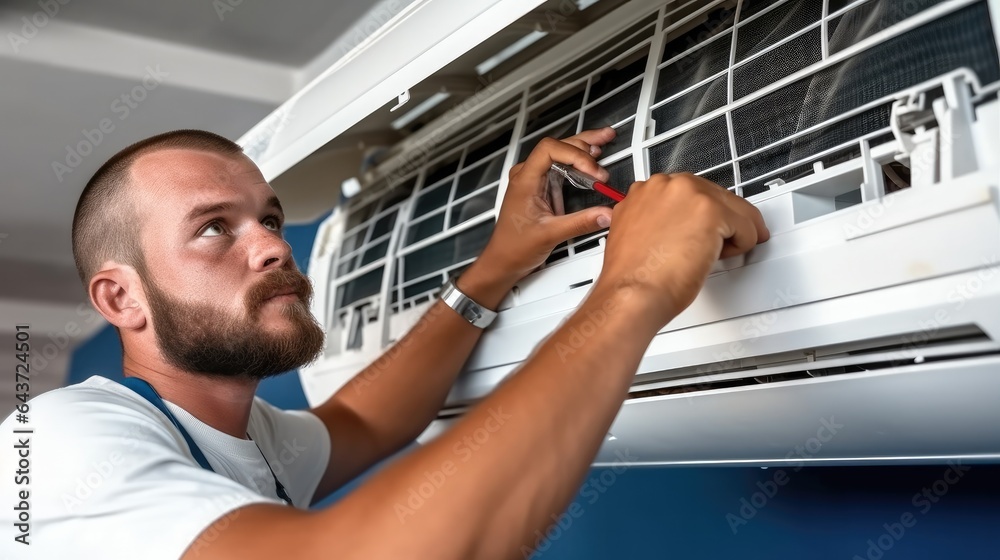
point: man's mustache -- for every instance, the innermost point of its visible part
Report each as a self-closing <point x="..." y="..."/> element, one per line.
<point x="279" y="281"/>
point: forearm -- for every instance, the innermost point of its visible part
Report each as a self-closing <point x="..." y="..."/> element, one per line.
<point x="414" y="376"/>
<point x="519" y="455"/>
<point x="571" y="413"/>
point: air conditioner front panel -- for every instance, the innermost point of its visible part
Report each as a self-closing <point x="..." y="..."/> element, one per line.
<point x="902" y="319"/>
<point x="934" y="412"/>
<point x="836" y="268"/>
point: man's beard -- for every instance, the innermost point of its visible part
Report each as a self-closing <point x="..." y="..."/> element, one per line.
<point x="210" y="341"/>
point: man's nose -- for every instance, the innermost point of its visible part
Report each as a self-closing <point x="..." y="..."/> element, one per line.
<point x="268" y="250"/>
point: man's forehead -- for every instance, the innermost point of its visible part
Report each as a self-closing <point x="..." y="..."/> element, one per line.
<point x="182" y="179"/>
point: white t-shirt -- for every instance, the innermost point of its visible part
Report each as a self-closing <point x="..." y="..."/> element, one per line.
<point x="111" y="477"/>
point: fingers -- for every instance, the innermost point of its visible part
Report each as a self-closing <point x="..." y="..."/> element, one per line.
<point x="743" y="224"/>
<point x="592" y="140"/>
<point x="555" y="197"/>
<point x="549" y="151"/>
<point x="597" y="137"/>
<point x="740" y="223"/>
<point x="763" y="233"/>
<point x="593" y="150"/>
<point x="743" y="234"/>
<point x="739" y="205"/>
<point x="563" y="228"/>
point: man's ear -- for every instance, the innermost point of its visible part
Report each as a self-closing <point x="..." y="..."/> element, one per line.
<point x="117" y="294"/>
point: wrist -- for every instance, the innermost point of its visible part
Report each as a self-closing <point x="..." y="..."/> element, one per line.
<point x="644" y="312"/>
<point x="485" y="284"/>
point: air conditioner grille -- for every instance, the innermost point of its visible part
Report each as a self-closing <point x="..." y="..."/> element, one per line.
<point x="836" y="134"/>
<point x="363" y="286"/>
<point x="722" y="176"/>
<point x="448" y="251"/>
<point x="775" y="26"/>
<point x="366" y="242"/>
<point x="715" y="23"/>
<point x="867" y="19"/>
<point x="593" y="59"/>
<point x="622" y="71"/>
<point x="701" y="101"/>
<point x="783" y="61"/>
<point x="751" y="8"/>
<point x="698" y="149"/>
<point x="420" y="230"/>
<point x="689" y="69"/>
<point x="954" y="41"/>
<point x="613" y="110"/>
<point x="707" y="95"/>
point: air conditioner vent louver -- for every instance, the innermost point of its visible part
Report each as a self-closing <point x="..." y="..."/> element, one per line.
<point x="863" y="356"/>
<point x="955" y="343"/>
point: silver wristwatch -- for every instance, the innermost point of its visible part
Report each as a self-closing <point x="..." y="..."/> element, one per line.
<point x="471" y="311"/>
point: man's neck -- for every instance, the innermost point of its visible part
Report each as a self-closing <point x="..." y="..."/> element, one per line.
<point x="222" y="403"/>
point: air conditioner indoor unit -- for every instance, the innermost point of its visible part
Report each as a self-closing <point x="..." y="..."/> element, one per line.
<point x="867" y="330"/>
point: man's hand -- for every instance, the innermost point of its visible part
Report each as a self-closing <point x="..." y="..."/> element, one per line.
<point x="361" y="433"/>
<point x="528" y="227"/>
<point x="666" y="235"/>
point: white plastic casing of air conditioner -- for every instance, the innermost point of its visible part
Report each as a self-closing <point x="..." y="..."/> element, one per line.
<point x="862" y="332"/>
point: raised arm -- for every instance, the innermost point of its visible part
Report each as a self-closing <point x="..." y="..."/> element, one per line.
<point x="412" y="379"/>
<point x="517" y="457"/>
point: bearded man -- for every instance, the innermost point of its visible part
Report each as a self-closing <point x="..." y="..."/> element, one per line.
<point x="178" y="240"/>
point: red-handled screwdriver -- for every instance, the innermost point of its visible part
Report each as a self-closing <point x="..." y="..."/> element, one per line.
<point x="583" y="181"/>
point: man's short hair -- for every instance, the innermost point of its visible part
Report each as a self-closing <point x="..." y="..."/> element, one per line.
<point x="104" y="224"/>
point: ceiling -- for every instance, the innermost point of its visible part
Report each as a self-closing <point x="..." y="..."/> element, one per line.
<point x="291" y="32"/>
<point x="220" y="66"/>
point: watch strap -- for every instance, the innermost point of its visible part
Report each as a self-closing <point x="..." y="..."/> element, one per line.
<point x="474" y="313"/>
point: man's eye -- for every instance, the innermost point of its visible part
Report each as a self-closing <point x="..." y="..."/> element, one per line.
<point x="213" y="229"/>
<point x="272" y="223"/>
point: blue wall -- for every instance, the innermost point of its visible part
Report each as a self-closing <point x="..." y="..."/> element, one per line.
<point x="818" y="513"/>
<point x="865" y="512"/>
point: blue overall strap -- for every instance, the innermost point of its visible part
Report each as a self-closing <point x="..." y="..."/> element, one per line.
<point x="146" y="391"/>
<point x="278" y="487"/>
